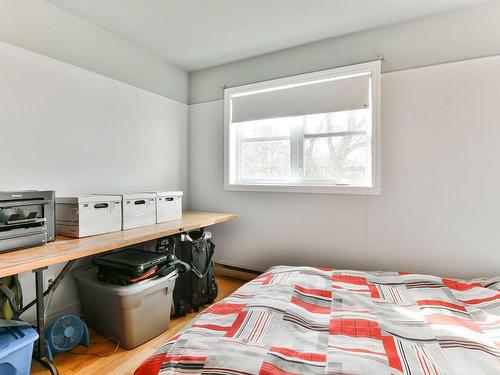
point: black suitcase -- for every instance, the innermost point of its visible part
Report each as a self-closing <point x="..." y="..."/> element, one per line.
<point x="131" y="265"/>
<point x="197" y="286"/>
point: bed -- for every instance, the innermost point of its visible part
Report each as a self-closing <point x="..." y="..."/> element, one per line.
<point x="306" y="320"/>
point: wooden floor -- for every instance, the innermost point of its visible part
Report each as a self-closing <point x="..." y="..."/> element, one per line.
<point x="122" y="362"/>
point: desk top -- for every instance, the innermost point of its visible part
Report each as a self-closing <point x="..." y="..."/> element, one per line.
<point x="64" y="249"/>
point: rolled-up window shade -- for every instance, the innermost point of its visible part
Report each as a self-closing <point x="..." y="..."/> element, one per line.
<point x="324" y="97"/>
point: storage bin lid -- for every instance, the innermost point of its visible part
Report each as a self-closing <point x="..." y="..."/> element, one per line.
<point x="15" y="338"/>
<point x="87" y="277"/>
<point x="131" y="196"/>
<point x="88" y="199"/>
<point x="168" y="193"/>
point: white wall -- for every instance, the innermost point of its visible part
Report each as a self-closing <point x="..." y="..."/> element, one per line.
<point x="438" y="211"/>
<point x="454" y="36"/>
<point x="68" y="129"/>
<point x="44" y="28"/>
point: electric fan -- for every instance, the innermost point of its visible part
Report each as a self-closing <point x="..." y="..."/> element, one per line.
<point x="66" y="333"/>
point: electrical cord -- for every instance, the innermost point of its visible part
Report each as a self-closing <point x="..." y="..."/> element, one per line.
<point x="48" y="301"/>
<point x="103" y="354"/>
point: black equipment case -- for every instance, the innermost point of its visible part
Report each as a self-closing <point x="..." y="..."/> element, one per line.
<point x="132" y="265"/>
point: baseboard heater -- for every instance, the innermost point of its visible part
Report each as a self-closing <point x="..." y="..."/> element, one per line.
<point x="236" y="272"/>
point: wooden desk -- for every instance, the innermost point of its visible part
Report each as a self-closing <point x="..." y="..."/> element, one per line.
<point x="66" y="249"/>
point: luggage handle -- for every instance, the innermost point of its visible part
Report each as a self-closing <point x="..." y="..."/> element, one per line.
<point x="101" y="205"/>
<point x="180" y="264"/>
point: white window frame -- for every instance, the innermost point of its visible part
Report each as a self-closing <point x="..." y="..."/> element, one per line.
<point x="371" y="68"/>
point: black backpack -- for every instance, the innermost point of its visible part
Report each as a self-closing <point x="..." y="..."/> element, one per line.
<point x="197" y="286"/>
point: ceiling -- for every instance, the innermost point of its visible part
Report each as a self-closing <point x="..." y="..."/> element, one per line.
<point x="195" y="34"/>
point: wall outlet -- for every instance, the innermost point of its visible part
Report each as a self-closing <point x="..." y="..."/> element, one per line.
<point x="48" y="279"/>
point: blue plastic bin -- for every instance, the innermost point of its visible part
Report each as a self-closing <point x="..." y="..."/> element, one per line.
<point x="16" y="350"/>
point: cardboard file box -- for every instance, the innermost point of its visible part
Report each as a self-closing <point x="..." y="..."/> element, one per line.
<point x="168" y="206"/>
<point x="138" y="209"/>
<point x="88" y="215"/>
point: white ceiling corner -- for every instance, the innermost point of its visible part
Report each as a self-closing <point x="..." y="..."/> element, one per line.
<point x="195" y="34"/>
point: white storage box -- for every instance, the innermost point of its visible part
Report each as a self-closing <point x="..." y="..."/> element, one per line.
<point x="88" y="215"/>
<point x="138" y="209"/>
<point x="134" y="313"/>
<point x="168" y="206"/>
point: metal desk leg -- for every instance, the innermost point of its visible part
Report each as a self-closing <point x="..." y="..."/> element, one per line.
<point x="41" y="356"/>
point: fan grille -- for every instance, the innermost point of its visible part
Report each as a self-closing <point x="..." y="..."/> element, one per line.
<point x="66" y="333"/>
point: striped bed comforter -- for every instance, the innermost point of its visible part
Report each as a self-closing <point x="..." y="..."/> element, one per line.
<point x="305" y="320"/>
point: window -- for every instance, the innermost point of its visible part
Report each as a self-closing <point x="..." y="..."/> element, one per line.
<point x="315" y="132"/>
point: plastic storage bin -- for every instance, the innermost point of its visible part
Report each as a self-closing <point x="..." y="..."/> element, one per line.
<point x="168" y="206"/>
<point x="16" y="349"/>
<point x="88" y="215"/>
<point x="135" y="313"/>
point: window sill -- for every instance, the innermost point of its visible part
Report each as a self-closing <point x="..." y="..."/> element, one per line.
<point x="315" y="189"/>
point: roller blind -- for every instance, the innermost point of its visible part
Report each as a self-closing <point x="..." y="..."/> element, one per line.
<point x="321" y="97"/>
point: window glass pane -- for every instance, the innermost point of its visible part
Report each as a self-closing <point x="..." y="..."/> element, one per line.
<point x="269" y="160"/>
<point x="328" y="137"/>
<point x="342" y="158"/>
<point x="337" y="121"/>
<point x="276" y="127"/>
